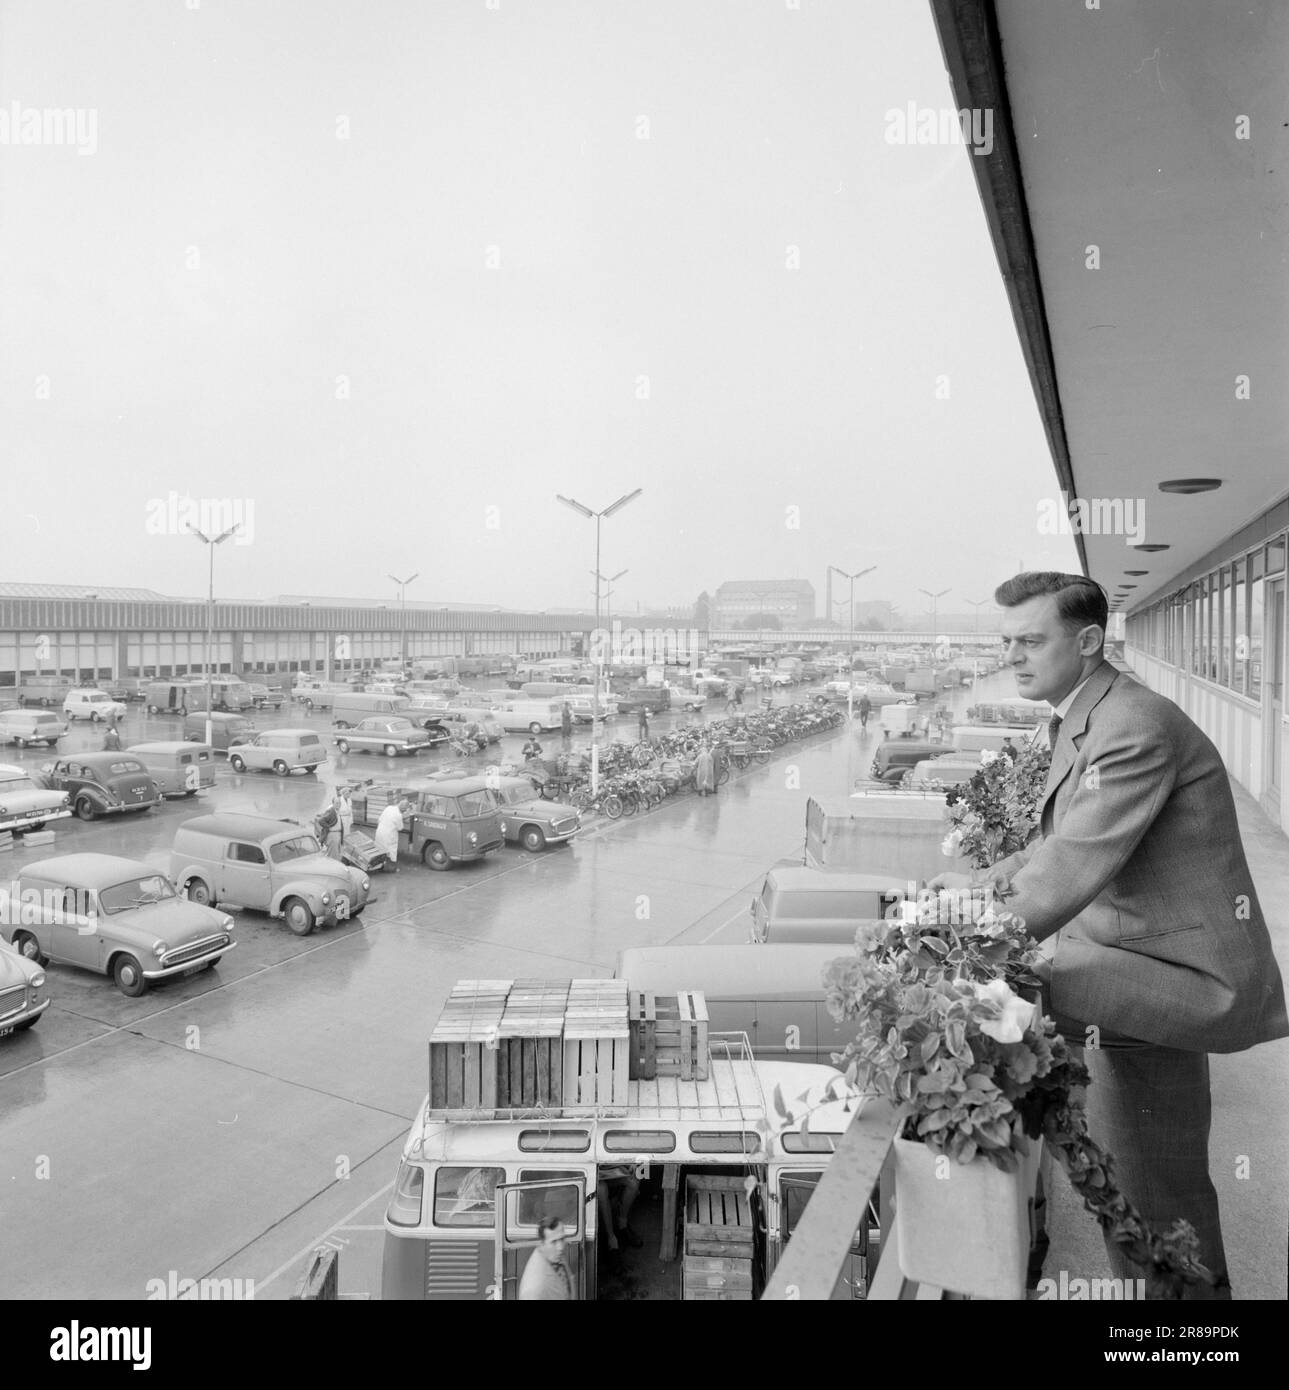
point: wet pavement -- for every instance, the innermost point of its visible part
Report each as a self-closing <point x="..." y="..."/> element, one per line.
<point x="228" y="1124"/>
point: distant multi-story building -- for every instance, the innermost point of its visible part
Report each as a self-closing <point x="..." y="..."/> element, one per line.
<point x="789" y="600"/>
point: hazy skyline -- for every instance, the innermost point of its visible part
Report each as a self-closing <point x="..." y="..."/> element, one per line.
<point x="392" y="276"/>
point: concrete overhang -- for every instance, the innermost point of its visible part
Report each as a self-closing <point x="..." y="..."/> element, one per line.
<point x="1136" y="194"/>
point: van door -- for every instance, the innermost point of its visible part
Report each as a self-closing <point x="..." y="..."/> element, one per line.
<point x="520" y="1208"/>
<point x="792" y="1190"/>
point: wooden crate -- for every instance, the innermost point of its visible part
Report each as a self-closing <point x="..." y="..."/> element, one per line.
<point x="669" y="1036"/>
<point x="719" y="1240"/>
<point x="596" y="1044"/>
<point x="530" y="1045"/>
<point x="463" y="1046"/>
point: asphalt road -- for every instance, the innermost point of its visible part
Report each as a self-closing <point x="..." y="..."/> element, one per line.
<point x="227" y="1124"/>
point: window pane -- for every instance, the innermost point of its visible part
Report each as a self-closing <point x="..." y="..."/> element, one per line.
<point x="1239" y="634"/>
<point x="1224" y="636"/>
<point x="464" y="1196"/>
<point x="1276" y="556"/>
<point x="1255" y="638"/>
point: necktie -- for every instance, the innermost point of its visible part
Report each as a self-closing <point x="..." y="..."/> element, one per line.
<point x="1053" y="729"/>
<point x="562" y="1271"/>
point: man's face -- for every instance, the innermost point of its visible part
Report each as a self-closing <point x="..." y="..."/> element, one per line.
<point x="553" y="1243"/>
<point x="1046" y="659"/>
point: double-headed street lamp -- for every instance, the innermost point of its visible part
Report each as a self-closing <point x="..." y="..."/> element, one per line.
<point x="608" y="582"/>
<point x="212" y="542"/>
<point x="402" y="603"/>
<point x="597" y="517"/>
<point x="850" y="669"/>
<point x="977" y="604"/>
<point x="935" y="598"/>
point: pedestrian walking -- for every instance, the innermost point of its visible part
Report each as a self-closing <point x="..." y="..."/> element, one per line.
<point x="865" y="708"/>
<point x="328" y="827"/>
<point x="388" y="829"/>
<point x="345" y="810"/>
<point x="705" y="772"/>
<point x="112" y="738"/>
<point x="566" y="723"/>
<point x="644" y="724"/>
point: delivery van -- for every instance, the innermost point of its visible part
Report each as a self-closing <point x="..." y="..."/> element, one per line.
<point x="796" y="904"/>
<point x="350" y="709"/>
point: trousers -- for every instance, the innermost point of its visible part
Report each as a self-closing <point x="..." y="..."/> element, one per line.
<point x="1151" y="1108"/>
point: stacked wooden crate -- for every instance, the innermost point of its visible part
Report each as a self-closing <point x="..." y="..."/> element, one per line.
<point x="718" y="1240"/>
<point x="463" y="1046"/>
<point x="596" y="1043"/>
<point x="668" y="1035"/>
<point x="530" y="1049"/>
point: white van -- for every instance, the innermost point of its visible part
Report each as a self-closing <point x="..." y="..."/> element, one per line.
<point x="92" y="705"/>
<point x="530" y="716"/>
<point x="349" y="709"/>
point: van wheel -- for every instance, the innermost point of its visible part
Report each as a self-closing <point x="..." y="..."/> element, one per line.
<point x="281" y="768"/>
<point x="198" y="891"/>
<point x="299" y="916"/>
<point x="342" y="724"/>
<point x="308" y="704"/>
<point x="95" y="716"/>
<point x="532" y="839"/>
<point x="84" y="808"/>
<point x="534" y="728"/>
<point x="28" y="947"/>
<point x="343" y="745"/>
<point x="21" y="742"/>
<point x="154" y="709"/>
<point x="390" y="751"/>
<point x="128" y="974"/>
<point x="237" y="763"/>
<point x="435" y="856"/>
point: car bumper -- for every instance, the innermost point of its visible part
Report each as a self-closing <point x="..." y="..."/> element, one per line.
<point x="195" y="964"/>
<point x="30" y="818"/>
<point x="29" y="1011"/>
<point x="128" y="806"/>
<point x="478" y="851"/>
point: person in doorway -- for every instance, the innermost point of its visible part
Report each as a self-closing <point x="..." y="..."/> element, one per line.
<point x="546" y="1277"/>
<point x="615" y="1195"/>
<point x="704" y="772"/>
<point x="864" y="709"/>
<point x="388" y="828"/>
<point x="1140" y="895"/>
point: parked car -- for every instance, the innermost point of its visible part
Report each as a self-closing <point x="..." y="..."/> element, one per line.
<point x="391" y="734"/>
<point x="349" y="710"/>
<point x="268" y="865"/>
<point x="654" y="698"/>
<point x="797" y="904"/>
<point x="119" y="917"/>
<point x="226" y="730"/>
<point x="279" y="750"/>
<point x="896" y="756"/>
<point x="264" y="697"/>
<point x="528" y="820"/>
<point x="24" y="726"/>
<point x="25" y="804"/>
<point x="102" y="784"/>
<point x="24" y="995"/>
<point x="93" y="705"/>
<point x="42" y="690"/>
<point x="425" y="711"/>
<point x="458" y="719"/>
<point x="583" y="707"/>
<point x="178" y="769"/>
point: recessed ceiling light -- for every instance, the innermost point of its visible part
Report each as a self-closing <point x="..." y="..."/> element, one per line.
<point x="1190" y="485"/>
<point x="1126" y="586"/>
<point x="1136" y="571"/>
<point x="1150" y="549"/>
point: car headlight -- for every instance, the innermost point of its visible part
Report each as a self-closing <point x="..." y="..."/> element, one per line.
<point x="326" y="898"/>
<point x="37" y="981"/>
<point x="160" y="948"/>
<point x="473" y="838"/>
<point x="227" y="925"/>
<point x="366" y="884"/>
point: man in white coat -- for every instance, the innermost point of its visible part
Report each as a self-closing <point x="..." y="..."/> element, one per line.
<point x="388" y="829"/>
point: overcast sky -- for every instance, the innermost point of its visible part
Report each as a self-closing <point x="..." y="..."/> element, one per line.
<point x="382" y="278"/>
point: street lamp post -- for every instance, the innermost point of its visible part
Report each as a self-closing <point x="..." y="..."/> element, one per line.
<point x="597" y="517"/>
<point x="850" y="671"/>
<point x="607" y="581"/>
<point x="977" y="604"/>
<point x="935" y="599"/>
<point x="402" y="617"/>
<point x="211" y="542"/>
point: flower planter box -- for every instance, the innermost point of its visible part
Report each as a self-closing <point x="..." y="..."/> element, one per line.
<point x="968" y="1232"/>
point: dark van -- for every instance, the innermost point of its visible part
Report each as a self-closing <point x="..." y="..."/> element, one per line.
<point x="896" y="756"/>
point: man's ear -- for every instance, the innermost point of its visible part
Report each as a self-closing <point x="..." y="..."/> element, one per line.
<point x="1091" y="639"/>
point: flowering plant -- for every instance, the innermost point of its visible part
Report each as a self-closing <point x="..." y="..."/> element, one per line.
<point x="945" y="1030"/>
<point x="996" y="813"/>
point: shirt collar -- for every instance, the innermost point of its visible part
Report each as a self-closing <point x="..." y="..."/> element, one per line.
<point x="1063" y="708"/>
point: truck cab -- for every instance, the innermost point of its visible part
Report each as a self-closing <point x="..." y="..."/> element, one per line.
<point x="453" y="820"/>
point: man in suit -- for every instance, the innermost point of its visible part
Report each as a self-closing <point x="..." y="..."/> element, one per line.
<point x="1156" y="951"/>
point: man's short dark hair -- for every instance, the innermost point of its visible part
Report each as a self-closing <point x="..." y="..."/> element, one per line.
<point x="549" y="1223"/>
<point x="1080" y="602"/>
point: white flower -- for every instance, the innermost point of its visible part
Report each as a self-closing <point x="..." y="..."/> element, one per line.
<point x="1017" y="1013"/>
<point x="987" y="757"/>
<point x="951" y="843"/>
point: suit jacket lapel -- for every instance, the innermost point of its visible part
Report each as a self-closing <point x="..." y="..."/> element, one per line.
<point x="1075" y="725"/>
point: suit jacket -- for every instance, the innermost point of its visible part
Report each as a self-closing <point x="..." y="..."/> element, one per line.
<point x="1140" y="862"/>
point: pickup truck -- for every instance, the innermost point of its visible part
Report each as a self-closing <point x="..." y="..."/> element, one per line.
<point x="453" y="820"/>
